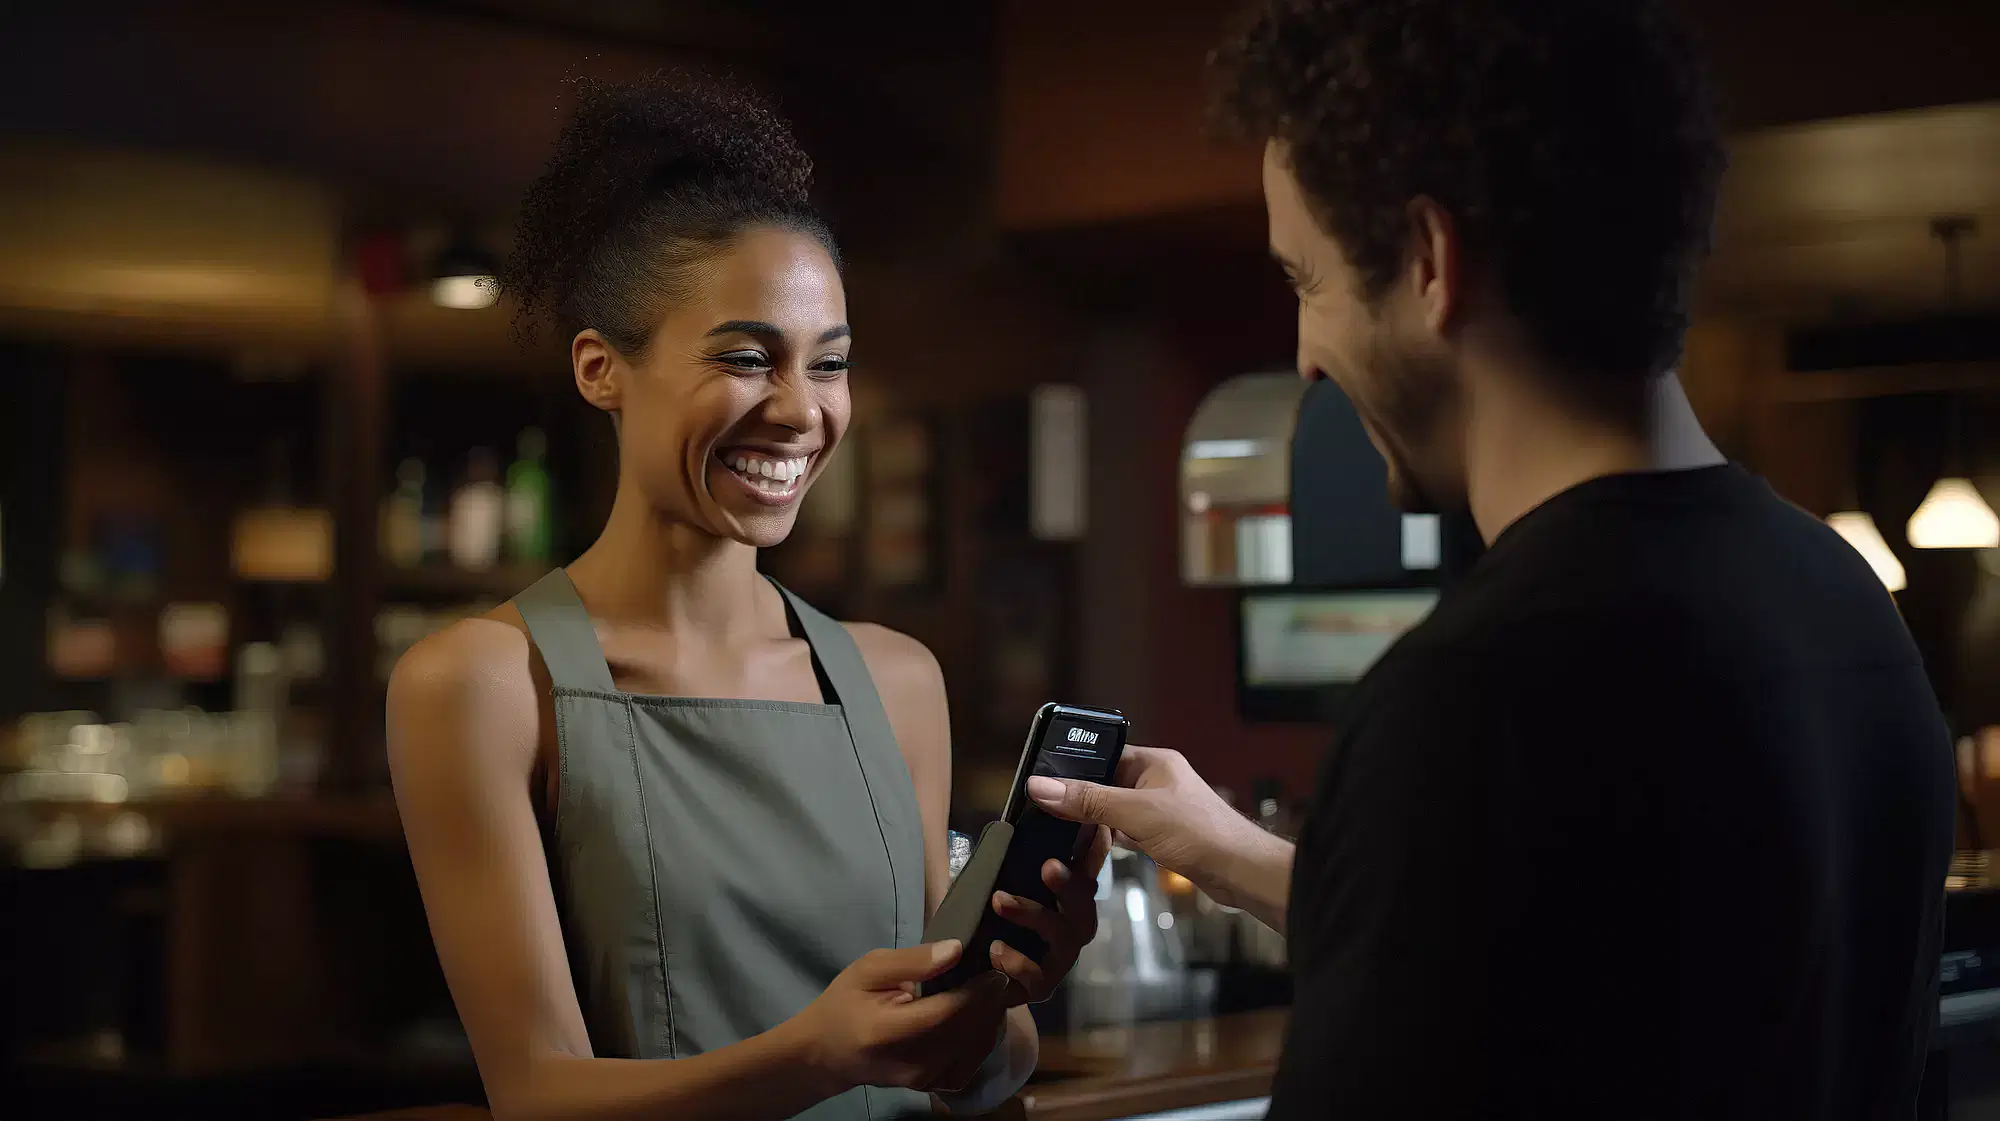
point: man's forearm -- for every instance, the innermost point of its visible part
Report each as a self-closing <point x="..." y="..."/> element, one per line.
<point x="1250" y="869"/>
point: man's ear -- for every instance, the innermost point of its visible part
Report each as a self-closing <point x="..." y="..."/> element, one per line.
<point x="600" y="370"/>
<point x="1434" y="272"/>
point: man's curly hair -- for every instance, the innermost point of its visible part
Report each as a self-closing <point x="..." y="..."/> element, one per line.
<point x="1573" y="142"/>
<point x="646" y="181"/>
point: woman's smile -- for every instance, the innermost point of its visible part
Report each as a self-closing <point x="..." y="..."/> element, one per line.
<point x="772" y="477"/>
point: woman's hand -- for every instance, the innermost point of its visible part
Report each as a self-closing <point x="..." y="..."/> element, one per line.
<point x="869" y="1029"/>
<point x="1067" y="928"/>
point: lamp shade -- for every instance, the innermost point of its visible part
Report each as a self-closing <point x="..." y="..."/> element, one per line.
<point x="463" y="277"/>
<point x="1859" y="531"/>
<point x="1953" y="516"/>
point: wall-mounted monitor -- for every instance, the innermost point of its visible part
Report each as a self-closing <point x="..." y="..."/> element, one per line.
<point x="1300" y="651"/>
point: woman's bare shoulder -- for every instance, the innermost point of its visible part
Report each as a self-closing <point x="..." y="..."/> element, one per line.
<point x="911" y="685"/>
<point x="472" y="681"/>
<point x="898" y="663"/>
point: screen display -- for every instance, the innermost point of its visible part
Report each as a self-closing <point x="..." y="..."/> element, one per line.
<point x="1326" y="638"/>
<point x="1077" y="749"/>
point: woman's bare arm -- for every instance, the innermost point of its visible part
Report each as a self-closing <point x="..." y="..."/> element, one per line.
<point x="463" y="728"/>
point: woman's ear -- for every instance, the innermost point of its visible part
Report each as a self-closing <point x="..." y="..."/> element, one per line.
<point x="599" y="369"/>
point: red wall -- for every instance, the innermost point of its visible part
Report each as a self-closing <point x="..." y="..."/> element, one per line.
<point x="1164" y="651"/>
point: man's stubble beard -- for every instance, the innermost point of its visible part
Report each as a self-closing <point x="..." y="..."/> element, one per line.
<point x="1417" y="409"/>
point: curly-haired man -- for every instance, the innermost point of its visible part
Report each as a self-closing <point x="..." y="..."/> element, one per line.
<point x="1651" y="817"/>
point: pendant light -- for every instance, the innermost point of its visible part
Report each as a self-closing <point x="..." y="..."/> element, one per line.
<point x="1859" y="531"/>
<point x="463" y="277"/>
<point x="1953" y="515"/>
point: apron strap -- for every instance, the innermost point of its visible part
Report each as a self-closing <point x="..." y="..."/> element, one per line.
<point x="561" y="630"/>
<point x="882" y="764"/>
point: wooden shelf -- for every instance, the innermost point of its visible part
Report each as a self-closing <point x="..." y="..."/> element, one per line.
<point x="366" y="817"/>
<point x="444" y="582"/>
<point x="1805" y="386"/>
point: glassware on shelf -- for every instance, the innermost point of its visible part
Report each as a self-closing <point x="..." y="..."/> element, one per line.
<point x="403" y="517"/>
<point x="1136" y="969"/>
<point x="477" y="515"/>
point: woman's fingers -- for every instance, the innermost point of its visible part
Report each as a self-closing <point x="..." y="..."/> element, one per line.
<point x="1026" y="976"/>
<point x="1029" y="914"/>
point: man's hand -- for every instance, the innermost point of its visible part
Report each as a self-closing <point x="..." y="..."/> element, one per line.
<point x="1163" y="808"/>
<point x="1067" y="928"/>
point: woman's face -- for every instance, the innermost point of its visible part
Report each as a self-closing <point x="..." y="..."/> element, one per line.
<point x="742" y="393"/>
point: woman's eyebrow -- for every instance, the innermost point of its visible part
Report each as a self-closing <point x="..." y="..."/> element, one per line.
<point x="769" y="334"/>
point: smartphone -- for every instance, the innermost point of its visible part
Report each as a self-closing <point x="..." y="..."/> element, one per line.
<point x="1064" y="741"/>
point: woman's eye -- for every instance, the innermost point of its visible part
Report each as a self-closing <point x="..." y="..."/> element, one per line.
<point x="831" y="367"/>
<point x="744" y="360"/>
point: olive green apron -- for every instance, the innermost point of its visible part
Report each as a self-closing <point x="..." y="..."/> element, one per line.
<point x="717" y="862"/>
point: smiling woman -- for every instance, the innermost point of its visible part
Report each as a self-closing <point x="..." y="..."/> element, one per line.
<point x="677" y="831"/>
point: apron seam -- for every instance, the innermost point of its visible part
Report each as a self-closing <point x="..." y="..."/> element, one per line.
<point x="562" y="768"/>
<point x="881" y="830"/>
<point x="652" y="881"/>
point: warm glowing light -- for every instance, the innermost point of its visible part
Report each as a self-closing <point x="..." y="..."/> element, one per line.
<point x="1954" y="516"/>
<point x="1859" y="530"/>
<point x="469" y="293"/>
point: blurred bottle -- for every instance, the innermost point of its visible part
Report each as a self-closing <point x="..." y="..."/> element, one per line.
<point x="194" y="640"/>
<point x="1260" y="945"/>
<point x="435" y="520"/>
<point x="247" y="747"/>
<point x="1211" y="927"/>
<point x="260" y="678"/>
<point x="477" y="514"/>
<point x="277" y="539"/>
<point x="1271" y="810"/>
<point x="530" y="528"/>
<point x="403" y="517"/>
<point x="304" y="651"/>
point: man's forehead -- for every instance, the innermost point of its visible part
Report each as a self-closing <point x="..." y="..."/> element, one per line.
<point x="1283" y="206"/>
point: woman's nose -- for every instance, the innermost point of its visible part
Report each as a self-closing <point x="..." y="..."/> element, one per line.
<point x="792" y="403"/>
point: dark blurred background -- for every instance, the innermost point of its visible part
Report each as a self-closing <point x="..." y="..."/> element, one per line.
<point x="251" y="450"/>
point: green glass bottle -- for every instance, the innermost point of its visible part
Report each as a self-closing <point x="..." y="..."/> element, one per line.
<point x="530" y="521"/>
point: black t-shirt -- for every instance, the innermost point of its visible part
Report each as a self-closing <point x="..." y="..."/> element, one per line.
<point x="1650" y="818"/>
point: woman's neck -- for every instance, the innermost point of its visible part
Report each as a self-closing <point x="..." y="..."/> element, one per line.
<point x="652" y="570"/>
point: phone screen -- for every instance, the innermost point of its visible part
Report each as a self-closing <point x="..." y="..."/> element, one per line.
<point x="1066" y="746"/>
<point x="1076" y="750"/>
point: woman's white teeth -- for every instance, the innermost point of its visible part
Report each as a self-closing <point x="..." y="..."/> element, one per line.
<point x="763" y="471"/>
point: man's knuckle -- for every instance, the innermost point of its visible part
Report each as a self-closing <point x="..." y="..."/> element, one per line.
<point x="1090" y="800"/>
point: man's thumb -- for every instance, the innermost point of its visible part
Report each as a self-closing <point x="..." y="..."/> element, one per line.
<point x="1075" y="800"/>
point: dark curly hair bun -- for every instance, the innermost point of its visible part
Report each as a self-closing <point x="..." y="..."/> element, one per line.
<point x="645" y="182"/>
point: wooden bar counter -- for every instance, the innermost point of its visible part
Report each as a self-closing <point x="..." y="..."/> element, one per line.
<point x="1103" y="1074"/>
